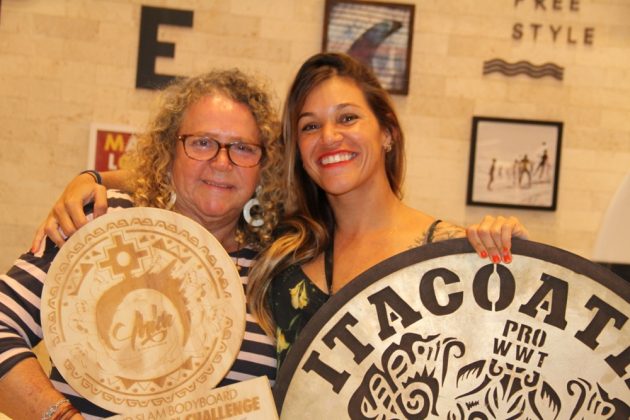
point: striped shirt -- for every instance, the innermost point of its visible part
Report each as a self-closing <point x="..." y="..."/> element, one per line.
<point x="20" y="323"/>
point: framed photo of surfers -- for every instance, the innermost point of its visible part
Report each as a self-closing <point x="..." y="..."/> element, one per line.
<point x="376" y="33"/>
<point x="514" y="163"/>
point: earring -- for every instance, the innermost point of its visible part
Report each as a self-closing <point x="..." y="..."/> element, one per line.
<point x="388" y="146"/>
<point x="171" y="200"/>
<point x="247" y="211"/>
<point x="172" y="195"/>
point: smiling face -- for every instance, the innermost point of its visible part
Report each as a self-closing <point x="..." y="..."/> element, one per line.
<point x="340" y="140"/>
<point x="214" y="192"/>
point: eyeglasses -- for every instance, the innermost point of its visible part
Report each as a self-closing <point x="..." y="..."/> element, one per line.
<point x="202" y="147"/>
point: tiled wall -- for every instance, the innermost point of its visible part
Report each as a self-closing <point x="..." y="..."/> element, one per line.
<point x="67" y="63"/>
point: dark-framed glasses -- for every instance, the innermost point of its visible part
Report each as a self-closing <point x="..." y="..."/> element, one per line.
<point x="203" y="147"/>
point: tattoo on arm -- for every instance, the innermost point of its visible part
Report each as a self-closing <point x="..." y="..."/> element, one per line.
<point x="421" y="240"/>
<point x="446" y="231"/>
<point x="442" y="232"/>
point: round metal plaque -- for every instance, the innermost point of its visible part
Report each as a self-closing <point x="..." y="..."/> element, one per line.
<point x="141" y="308"/>
<point x="436" y="332"/>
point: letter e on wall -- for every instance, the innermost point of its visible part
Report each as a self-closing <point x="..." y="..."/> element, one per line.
<point x="150" y="48"/>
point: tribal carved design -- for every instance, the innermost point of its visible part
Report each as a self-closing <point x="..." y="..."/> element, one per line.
<point x="503" y="391"/>
<point x="143" y="311"/>
<point x="409" y="383"/>
<point x="413" y="373"/>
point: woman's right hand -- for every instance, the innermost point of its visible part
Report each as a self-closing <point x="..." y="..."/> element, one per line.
<point x="67" y="214"/>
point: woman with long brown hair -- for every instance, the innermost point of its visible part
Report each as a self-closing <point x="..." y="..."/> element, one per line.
<point x="344" y="150"/>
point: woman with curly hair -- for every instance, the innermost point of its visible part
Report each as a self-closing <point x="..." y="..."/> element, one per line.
<point x="211" y="152"/>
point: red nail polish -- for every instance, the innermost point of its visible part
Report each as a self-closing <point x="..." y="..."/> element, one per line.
<point x="507" y="258"/>
<point x="496" y="259"/>
<point x="483" y="254"/>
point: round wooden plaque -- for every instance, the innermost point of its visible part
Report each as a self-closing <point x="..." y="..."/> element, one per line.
<point x="436" y="332"/>
<point x="141" y="308"/>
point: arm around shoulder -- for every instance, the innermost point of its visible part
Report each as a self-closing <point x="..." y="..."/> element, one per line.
<point x="67" y="214"/>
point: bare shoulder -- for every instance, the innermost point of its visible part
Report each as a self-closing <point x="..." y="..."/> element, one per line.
<point x="445" y="230"/>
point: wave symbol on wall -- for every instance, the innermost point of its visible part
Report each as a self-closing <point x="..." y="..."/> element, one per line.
<point x="498" y="65"/>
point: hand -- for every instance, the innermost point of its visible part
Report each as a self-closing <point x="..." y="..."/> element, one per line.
<point x="67" y="213"/>
<point x="492" y="238"/>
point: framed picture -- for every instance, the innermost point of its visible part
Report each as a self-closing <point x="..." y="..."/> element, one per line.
<point x="108" y="144"/>
<point x="377" y="34"/>
<point x="514" y="163"/>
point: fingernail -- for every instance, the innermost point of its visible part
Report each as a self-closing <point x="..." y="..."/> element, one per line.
<point x="483" y="254"/>
<point x="496" y="259"/>
<point x="507" y="258"/>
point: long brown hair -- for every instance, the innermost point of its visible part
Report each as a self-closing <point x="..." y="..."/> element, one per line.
<point x="305" y="234"/>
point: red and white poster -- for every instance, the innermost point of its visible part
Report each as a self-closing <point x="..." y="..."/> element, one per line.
<point x="108" y="145"/>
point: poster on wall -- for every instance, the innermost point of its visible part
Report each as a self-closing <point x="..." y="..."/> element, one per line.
<point x="108" y="144"/>
<point x="514" y="163"/>
<point x="377" y="34"/>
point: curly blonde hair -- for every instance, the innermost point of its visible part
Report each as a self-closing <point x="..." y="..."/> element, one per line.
<point x="151" y="162"/>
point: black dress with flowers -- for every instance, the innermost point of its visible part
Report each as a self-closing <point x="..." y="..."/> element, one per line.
<point x="294" y="298"/>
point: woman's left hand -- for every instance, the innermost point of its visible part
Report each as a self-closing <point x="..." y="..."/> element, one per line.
<point x="492" y="237"/>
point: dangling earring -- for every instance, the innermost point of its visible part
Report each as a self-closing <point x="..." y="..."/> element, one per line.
<point x="171" y="200"/>
<point x="172" y="195"/>
<point x="251" y="203"/>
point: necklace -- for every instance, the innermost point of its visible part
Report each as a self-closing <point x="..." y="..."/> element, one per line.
<point x="328" y="263"/>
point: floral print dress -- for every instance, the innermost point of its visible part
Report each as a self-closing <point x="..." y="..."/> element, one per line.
<point x="294" y="300"/>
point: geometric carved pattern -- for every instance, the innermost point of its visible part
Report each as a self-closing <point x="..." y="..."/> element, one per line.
<point x="141" y="308"/>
